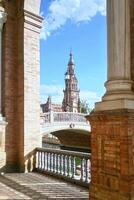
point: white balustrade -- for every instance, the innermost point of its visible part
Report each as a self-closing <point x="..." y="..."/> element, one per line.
<point x="68" y="164"/>
<point x="51" y="117"/>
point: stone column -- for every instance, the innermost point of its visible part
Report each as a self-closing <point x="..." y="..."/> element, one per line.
<point x="2" y="120"/>
<point x="112" y="122"/>
<point x="119" y="92"/>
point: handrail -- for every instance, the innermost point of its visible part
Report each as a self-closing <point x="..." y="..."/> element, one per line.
<point x="71" y="153"/>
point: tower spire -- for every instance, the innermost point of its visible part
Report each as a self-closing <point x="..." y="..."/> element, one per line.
<point x="71" y="91"/>
<point x="71" y="60"/>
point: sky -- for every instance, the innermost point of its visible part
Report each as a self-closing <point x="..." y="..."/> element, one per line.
<point x="79" y="25"/>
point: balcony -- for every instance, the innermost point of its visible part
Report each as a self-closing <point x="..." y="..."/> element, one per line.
<point x="53" y="175"/>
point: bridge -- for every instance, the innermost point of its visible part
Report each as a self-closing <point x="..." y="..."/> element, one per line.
<point x="56" y="121"/>
<point x="72" y="129"/>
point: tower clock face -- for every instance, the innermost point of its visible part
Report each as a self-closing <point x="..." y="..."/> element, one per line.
<point x="74" y="95"/>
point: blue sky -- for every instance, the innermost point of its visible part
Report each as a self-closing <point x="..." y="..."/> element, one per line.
<point x="80" y="25"/>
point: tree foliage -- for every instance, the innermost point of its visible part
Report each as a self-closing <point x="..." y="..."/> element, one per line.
<point x="84" y="107"/>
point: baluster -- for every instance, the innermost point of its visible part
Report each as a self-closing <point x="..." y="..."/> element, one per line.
<point x="68" y="165"/>
<point x="73" y="167"/>
<point x="57" y="163"/>
<point x="53" y="168"/>
<point x="43" y="166"/>
<point x="60" y="164"/>
<point x="65" y="165"/>
<point x="82" y="170"/>
<point x="64" y="173"/>
<point x="44" y="161"/>
<point x="41" y="160"/>
<point x="47" y="161"/>
<point x="89" y="167"/>
<point x="38" y="154"/>
<point x="86" y="170"/>
<point x="50" y="161"/>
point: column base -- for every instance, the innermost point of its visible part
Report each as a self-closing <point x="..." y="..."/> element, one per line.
<point x="114" y="104"/>
<point x="119" y="95"/>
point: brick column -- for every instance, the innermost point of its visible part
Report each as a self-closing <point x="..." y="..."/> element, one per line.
<point x="30" y="77"/>
<point x="112" y="122"/>
<point x="21" y="81"/>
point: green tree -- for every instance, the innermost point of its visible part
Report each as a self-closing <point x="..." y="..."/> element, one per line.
<point x="84" y="107"/>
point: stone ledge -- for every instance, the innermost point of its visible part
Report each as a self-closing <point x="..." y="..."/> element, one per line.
<point x="114" y="105"/>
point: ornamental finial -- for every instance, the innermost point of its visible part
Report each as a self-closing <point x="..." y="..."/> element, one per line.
<point x="71" y="61"/>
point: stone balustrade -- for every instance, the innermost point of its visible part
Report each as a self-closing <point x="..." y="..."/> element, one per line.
<point x="72" y="166"/>
<point x="51" y="117"/>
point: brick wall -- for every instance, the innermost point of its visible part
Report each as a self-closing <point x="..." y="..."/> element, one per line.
<point x="112" y="159"/>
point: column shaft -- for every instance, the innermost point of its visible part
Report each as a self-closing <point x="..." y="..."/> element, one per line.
<point x="119" y="92"/>
<point x="118" y="23"/>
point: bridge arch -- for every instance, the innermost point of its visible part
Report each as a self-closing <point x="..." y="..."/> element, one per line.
<point x="73" y="138"/>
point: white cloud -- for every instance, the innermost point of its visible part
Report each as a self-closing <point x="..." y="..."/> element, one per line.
<point x="56" y="92"/>
<point x="60" y="11"/>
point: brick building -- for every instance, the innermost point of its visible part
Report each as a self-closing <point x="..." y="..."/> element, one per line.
<point x="51" y="106"/>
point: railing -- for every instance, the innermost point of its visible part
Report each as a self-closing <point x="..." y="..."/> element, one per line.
<point x="69" y="117"/>
<point x="73" y="166"/>
<point x="45" y="118"/>
<point x="51" y="117"/>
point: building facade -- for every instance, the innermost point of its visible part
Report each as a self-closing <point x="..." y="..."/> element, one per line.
<point x="46" y="107"/>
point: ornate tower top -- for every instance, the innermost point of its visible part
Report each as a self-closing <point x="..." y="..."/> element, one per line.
<point x="71" y="91"/>
<point x="71" y="60"/>
<point x="70" y="69"/>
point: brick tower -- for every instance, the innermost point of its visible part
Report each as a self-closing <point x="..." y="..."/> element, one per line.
<point x="71" y="100"/>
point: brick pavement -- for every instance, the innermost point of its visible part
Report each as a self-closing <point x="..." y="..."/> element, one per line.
<point x="38" y="187"/>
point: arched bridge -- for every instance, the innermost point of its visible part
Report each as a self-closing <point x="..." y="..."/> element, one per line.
<point x="72" y="129"/>
<point x="57" y="121"/>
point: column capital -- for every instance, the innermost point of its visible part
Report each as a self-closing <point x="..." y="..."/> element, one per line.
<point x="3" y="17"/>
